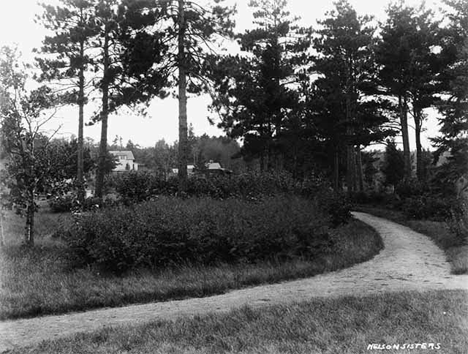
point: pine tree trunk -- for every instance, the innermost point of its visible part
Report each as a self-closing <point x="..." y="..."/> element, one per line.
<point x="360" y="178"/>
<point x="2" y="241"/>
<point x="104" y="119"/>
<point x="402" y="103"/>
<point x="350" y="168"/>
<point x="336" y="170"/>
<point x="350" y="155"/>
<point x="419" y="164"/>
<point x="269" y="150"/>
<point x="279" y="156"/>
<point x="183" y="138"/>
<point x="80" y="167"/>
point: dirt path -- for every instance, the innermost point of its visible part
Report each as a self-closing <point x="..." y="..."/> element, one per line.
<point x="409" y="261"/>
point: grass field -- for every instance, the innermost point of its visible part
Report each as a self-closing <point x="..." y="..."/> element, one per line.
<point x="39" y="281"/>
<point x="439" y="232"/>
<point x="420" y="322"/>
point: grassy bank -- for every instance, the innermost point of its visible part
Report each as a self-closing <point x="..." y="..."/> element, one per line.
<point x="436" y="320"/>
<point x="439" y="232"/>
<point x="39" y="281"/>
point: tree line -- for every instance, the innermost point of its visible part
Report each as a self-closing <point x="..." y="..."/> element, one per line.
<point x="301" y="99"/>
<point x="319" y="96"/>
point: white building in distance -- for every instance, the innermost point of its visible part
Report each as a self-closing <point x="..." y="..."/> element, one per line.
<point x="125" y="161"/>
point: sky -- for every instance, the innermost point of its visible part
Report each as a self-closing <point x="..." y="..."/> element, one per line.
<point x="17" y="26"/>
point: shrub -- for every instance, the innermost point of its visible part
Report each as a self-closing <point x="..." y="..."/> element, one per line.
<point x="313" y="185"/>
<point x="430" y="207"/>
<point x="61" y="204"/>
<point x="135" y="187"/>
<point x="67" y="203"/>
<point x="170" y="231"/>
<point x="372" y="198"/>
<point x="458" y="221"/>
<point x="163" y="187"/>
<point x="202" y="186"/>
<point x="92" y="202"/>
<point x="411" y="188"/>
<point x="246" y="185"/>
<point x="336" y="206"/>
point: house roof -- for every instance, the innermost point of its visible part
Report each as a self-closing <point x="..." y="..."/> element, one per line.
<point x="127" y="153"/>
<point x="214" y="166"/>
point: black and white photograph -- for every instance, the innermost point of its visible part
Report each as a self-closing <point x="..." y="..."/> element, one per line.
<point x="233" y="176"/>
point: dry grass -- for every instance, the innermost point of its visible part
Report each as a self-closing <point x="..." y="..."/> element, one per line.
<point x="345" y="325"/>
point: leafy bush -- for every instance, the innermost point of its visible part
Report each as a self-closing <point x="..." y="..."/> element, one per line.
<point x="430" y="207"/>
<point x="170" y="231"/>
<point x="61" y="204"/>
<point x="458" y="222"/>
<point x="67" y="203"/>
<point x="92" y="202"/>
<point x="336" y="205"/>
<point x="372" y="197"/>
<point x="135" y="187"/>
<point x="411" y="188"/>
<point x="246" y="185"/>
<point x="200" y="186"/>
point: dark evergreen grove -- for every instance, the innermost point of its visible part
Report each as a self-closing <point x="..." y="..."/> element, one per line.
<point x="302" y="100"/>
<point x="306" y="99"/>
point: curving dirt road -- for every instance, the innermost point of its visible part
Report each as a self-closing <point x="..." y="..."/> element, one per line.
<point x="409" y="261"/>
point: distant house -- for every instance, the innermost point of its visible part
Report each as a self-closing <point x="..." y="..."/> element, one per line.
<point x="125" y="161"/>
<point x="215" y="167"/>
<point x="210" y="168"/>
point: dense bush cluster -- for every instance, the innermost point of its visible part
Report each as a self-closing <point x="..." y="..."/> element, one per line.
<point x="171" y="230"/>
<point x="241" y="218"/>
<point x="418" y="201"/>
<point x="135" y="187"/>
<point x="428" y="207"/>
<point x="372" y="198"/>
<point x="67" y="203"/>
<point x="458" y="223"/>
<point x="61" y="204"/>
<point x="336" y="205"/>
<point x="415" y="199"/>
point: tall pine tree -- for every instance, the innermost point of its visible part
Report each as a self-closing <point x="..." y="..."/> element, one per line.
<point x="188" y="34"/>
<point x="257" y="92"/>
<point x="410" y="70"/>
<point x="393" y="57"/>
<point x="347" y="114"/>
<point x="454" y="108"/>
<point x="65" y="57"/>
<point x="120" y="81"/>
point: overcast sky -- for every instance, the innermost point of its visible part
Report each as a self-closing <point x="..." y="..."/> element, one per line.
<point x="17" y="26"/>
